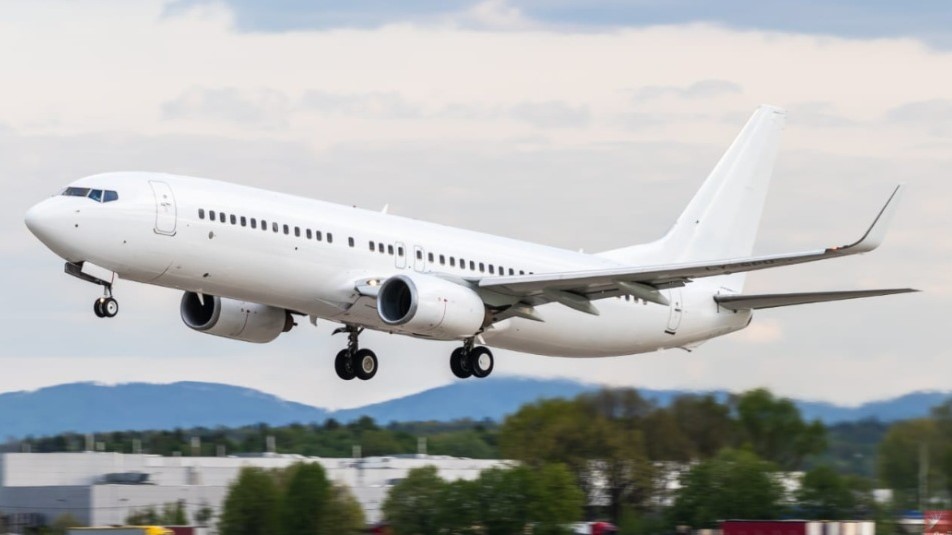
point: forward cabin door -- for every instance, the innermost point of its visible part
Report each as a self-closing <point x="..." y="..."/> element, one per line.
<point x="165" y="216"/>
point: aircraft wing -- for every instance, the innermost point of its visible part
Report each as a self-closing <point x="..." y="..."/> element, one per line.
<point x="752" y="302"/>
<point x="576" y="289"/>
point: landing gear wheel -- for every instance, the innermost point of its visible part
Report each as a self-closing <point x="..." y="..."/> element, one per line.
<point x="344" y="365"/>
<point x="97" y="308"/>
<point x="365" y="364"/>
<point x="481" y="361"/>
<point x="459" y="363"/>
<point x="109" y="306"/>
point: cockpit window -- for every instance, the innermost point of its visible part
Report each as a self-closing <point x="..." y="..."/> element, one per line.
<point x="97" y="195"/>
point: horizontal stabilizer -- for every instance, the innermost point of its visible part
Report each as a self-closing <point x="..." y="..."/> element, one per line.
<point x="750" y="302"/>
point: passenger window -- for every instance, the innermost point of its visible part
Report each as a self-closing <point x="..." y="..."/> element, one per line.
<point x="234" y="220"/>
<point x="492" y="270"/>
<point x="109" y="196"/>
<point x="222" y="217"/>
<point x="211" y="215"/>
<point x="522" y="272"/>
<point x="502" y="271"/>
<point x="308" y="233"/>
<point x="244" y="221"/>
<point x="330" y="238"/>
<point x="287" y="230"/>
<point x="274" y="226"/>
<point x="297" y="232"/>
<point x="512" y="271"/>
<point x="430" y="257"/>
<point x="452" y="261"/>
<point x="482" y="268"/>
<point x="472" y="265"/>
<point x="96" y="195"/>
<point x="442" y="260"/>
<point x="390" y="250"/>
<point x="350" y="241"/>
<point x="419" y="255"/>
<point x="201" y="213"/>
<point x="254" y="223"/>
<point x="372" y="248"/>
<point x="399" y="251"/>
<point x="319" y="236"/>
<point x="380" y="248"/>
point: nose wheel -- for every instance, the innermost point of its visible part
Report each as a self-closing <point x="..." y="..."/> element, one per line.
<point x="354" y="362"/>
<point x="468" y="361"/>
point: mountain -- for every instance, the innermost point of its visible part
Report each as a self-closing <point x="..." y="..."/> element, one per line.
<point x="91" y="407"/>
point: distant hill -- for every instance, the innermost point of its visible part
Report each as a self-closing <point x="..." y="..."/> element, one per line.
<point x="90" y="407"/>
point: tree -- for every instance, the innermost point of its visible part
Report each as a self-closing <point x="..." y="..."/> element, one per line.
<point x="705" y="422"/>
<point x="774" y="430"/>
<point x="899" y="459"/>
<point x="342" y="513"/>
<point x="597" y="437"/>
<point x="825" y="494"/>
<point x="204" y="514"/>
<point x="413" y="505"/>
<point x="251" y="506"/>
<point x="62" y="524"/>
<point x="305" y="499"/>
<point x="734" y="484"/>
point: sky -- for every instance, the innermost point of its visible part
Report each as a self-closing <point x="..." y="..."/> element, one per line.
<point x="584" y="125"/>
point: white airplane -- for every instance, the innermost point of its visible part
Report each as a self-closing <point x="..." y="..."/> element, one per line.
<point x="249" y="260"/>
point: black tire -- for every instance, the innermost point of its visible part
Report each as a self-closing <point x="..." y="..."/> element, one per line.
<point x="481" y="361"/>
<point x="344" y="365"/>
<point x="365" y="364"/>
<point x="459" y="363"/>
<point x="110" y="307"/>
<point x="97" y="308"/>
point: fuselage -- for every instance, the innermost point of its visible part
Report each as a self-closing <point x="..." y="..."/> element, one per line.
<point x="304" y="255"/>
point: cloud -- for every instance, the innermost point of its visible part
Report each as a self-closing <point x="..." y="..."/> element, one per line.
<point x="933" y="116"/>
<point x="926" y="20"/>
<point x="372" y="104"/>
<point x="259" y="108"/>
<point x="697" y="90"/>
<point x="551" y="114"/>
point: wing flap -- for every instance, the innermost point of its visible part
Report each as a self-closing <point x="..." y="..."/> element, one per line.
<point x="752" y="302"/>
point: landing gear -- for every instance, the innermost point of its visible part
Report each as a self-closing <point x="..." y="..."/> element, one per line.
<point x="469" y="361"/>
<point x="106" y="307"/>
<point x="354" y="362"/>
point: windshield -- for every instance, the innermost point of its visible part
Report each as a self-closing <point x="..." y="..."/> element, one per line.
<point x="98" y="195"/>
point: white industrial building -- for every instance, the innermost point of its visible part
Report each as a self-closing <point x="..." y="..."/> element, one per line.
<point x="101" y="489"/>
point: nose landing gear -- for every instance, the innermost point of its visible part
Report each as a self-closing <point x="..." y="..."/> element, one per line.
<point x="104" y="307"/>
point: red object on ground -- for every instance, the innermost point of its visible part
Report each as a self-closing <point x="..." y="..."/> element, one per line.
<point x="182" y="530"/>
<point x="603" y="528"/>
<point x="764" y="527"/>
<point x="937" y="523"/>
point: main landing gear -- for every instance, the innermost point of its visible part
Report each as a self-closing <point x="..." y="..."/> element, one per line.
<point x="354" y="362"/>
<point x="469" y="361"/>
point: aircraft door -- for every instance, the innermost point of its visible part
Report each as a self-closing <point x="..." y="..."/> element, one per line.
<point x="165" y="216"/>
<point x="419" y="258"/>
<point x="400" y="259"/>
<point x="677" y="309"/>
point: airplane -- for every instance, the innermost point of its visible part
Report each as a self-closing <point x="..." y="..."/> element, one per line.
<point x="249" y="261"/>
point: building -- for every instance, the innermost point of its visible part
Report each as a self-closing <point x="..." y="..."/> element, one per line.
<point x="101" y="489"/>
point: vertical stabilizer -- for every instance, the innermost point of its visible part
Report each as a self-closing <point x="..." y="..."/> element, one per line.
<point x="722" y="219"/>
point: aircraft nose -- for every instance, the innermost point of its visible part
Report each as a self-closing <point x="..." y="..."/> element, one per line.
<point x="45" y="220"/>
<point x="35" y="221"/>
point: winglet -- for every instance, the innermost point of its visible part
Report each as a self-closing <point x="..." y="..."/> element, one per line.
<point x="874" y="236"/>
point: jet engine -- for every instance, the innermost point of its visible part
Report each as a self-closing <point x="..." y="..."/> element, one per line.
<point x="237" y="320"/>
<point x="429" y="306"/>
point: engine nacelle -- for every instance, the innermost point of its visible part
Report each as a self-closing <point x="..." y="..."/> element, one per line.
<point x="238" y="320"/>
<point x="430" y="306"/>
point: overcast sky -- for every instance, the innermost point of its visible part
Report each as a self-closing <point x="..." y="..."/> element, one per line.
<point x="580" y="124"/>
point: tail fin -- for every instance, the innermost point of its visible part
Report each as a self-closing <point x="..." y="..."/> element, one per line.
<point x="722" y="219"/>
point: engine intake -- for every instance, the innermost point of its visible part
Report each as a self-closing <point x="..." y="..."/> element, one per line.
<point x="430" y="306"/>
<point x="238" y="320"/>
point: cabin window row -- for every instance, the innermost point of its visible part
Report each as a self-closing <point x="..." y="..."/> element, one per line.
<point x="446" y="260"/>
<point x="263" y="224"/>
